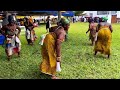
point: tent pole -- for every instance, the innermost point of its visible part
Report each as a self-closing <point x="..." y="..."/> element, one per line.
<point x="59" y="15"/>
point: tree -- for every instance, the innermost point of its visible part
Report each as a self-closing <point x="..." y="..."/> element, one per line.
<point x="59" y="15"/>
<point x="77" y="13"/>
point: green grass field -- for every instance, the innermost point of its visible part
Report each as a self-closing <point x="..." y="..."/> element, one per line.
<point x="78" y="60"/>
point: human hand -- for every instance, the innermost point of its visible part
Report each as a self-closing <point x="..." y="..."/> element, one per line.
<point x="58" y="59"/>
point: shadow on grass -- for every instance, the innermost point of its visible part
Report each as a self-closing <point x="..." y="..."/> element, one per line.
<point x="101" y="56"/>
<point x="14" y="56"/>
<point x="44" y="76"/>
<point x="40" y="75"/>
<point x="98" y="56"/>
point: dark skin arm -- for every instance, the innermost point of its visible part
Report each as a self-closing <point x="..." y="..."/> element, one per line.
<point x="60" y="37"/>
<point x="3" y="30"/>
<point x="19" y="30"/>
<point x="98" y="27"/>
<point x="25" y="23"/>
<point x="111" y="28"/>
<point x="88" y="29"/>
<point x="32" y="26"/>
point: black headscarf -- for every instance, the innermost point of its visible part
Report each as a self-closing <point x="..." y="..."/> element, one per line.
<point x="10" y="19"/>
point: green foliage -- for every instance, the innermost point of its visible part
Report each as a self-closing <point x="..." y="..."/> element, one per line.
<point x="77" y="13"/>
<point x="78" y="61"/>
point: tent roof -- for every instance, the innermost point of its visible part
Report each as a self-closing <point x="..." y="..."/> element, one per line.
<point x="55" y="13"/>
<point x="67" y="13"/>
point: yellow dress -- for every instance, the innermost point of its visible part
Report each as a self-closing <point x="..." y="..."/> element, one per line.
<point x="48" y="65"/>
<point x="103" y="42"/>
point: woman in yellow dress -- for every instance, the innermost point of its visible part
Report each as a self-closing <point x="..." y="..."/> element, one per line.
<point x="103" y="41"/>
<point x="51" y="48"/>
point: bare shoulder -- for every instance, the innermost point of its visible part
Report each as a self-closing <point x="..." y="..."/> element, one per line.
<point x="56" y="29"/>
<point x="62" y="31"/>
<point x="61" y="35"/>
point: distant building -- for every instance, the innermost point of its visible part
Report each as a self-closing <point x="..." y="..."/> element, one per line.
<point x="112" y="15"/>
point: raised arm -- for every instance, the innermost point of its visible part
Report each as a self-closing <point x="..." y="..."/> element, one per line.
<point x="88" y="29"/>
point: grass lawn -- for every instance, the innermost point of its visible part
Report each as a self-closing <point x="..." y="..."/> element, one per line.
<point x="78" y="61"/>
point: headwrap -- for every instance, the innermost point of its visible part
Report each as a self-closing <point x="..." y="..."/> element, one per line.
<point x="64" y="21"/>
<point x="10" y="18"/>
<point x="104" y="19"/>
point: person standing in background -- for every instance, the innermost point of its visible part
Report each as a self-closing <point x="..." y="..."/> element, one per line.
<point x="92" y="30"/>
<point x="30" y="33"/>
<point x="48" y="24"/>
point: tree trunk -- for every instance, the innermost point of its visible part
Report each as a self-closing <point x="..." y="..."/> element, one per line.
<point x="44" y="20"/>
<point x="59" y="15"/>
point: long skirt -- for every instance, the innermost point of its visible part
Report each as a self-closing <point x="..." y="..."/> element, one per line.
<point x="48" y="51"/>
<point x="103" y="42"/>
<point x="13" y="45"/>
